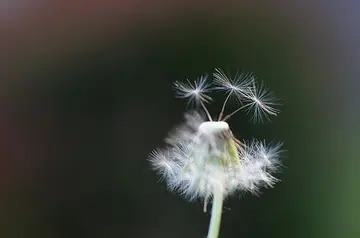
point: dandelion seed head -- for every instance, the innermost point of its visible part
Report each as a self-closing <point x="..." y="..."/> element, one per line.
<point x="202" y="155"/>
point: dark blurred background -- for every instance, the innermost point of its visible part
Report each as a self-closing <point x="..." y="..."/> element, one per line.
<point x="86" y="95"/>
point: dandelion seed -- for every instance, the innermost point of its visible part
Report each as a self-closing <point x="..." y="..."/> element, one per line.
<point x="204" y="160"/>
<point x="237" y="86"/>
<point x="261" y="103"/>
<point x="196" y="92"/>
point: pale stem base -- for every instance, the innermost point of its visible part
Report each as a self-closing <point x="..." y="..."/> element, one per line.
<point x="216" y="212"/>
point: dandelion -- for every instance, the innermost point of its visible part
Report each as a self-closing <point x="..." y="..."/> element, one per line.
<point x="203" y="160"/>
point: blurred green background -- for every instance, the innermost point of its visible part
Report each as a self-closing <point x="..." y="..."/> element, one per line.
<point x="86" y="95"/>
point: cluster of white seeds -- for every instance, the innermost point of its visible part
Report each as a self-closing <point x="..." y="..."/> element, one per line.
<point x="202" y="154"/>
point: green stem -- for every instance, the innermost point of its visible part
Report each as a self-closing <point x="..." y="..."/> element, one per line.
<point x="216" y="212"/>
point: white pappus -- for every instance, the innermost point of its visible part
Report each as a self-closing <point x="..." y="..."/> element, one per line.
<point x="203" y="157"/>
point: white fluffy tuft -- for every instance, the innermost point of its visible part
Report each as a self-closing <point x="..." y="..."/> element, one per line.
<point x="237" y="86"/>
<point x="260" y="102"/>
<point x="193" y="165"/>
<point x="195" y="92"/>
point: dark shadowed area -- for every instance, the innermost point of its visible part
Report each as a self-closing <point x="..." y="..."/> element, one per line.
<point x="86" y="94"/>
